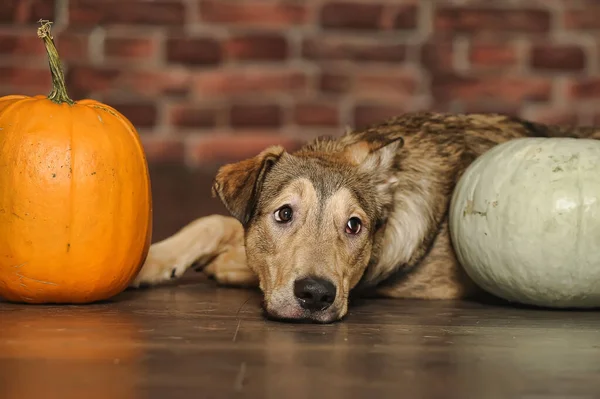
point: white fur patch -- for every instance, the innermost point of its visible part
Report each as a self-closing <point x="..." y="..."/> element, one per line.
<point x="404" y="233"/>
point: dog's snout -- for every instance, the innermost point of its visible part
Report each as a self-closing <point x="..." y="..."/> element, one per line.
<point x="314" y="293"/>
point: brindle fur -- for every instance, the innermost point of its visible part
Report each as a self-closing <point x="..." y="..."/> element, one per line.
<point x="398" y="175"/>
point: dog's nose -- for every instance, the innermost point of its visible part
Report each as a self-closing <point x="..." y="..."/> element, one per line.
<point x="314" y="293"/>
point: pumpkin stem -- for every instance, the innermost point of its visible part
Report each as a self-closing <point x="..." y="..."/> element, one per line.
<point x="59" y="89"/>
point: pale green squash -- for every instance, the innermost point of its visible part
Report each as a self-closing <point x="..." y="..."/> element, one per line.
<point x="525" y="221"/>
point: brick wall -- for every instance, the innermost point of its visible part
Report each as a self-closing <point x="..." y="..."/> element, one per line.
<point x="209" y="81"/>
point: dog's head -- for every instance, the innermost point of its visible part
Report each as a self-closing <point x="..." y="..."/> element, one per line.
<point x="311" y="219"/>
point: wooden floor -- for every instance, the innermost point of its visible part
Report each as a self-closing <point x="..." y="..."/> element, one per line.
<point x="198" y="341"/>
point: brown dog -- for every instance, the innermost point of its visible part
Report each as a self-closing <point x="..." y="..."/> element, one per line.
<point x="365" y="210"/>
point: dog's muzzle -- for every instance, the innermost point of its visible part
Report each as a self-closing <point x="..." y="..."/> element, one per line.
<point x="312" y="299"/>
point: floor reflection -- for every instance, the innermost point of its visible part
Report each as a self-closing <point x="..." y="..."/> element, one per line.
<point x="69" y="353"/>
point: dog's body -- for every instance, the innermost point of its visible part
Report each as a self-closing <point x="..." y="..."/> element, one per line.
<point x="366" y="210"/>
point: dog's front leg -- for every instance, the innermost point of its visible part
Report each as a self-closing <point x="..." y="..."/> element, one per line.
<point x="215" y="243"/>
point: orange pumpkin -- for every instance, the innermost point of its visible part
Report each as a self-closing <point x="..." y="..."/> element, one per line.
<point x="75" y="200"/>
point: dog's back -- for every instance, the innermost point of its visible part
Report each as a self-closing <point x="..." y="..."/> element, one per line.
<point x="416" y="258"/>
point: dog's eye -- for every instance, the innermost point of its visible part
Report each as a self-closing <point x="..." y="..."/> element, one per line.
<point x="353" y="226"/>
<point x="283" y="214"/>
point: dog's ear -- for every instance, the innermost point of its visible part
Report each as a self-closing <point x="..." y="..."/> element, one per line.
<point x="376" y="156"/>
<point x="238" y="185"/>
<point x="374" y="153"/>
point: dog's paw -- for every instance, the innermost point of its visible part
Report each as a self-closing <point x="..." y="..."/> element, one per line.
<point x="160" y="267"/>
<point x="230" y="268"/>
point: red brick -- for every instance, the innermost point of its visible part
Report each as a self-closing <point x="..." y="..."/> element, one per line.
<point x="498" y="107"/>
<point x="596" y="121"/>
<point x="248" y="81"/>
<point x="331" y="82"/>
<point x="345" y="49"/>
<point x="588" y="88"/>
<point x="26" y="12"/>
<point x="139" y="12"/>
<point x="85" y="80"/>
<point x="23" y="76"/>
<point x="82" y="81"/>
<point x="257" y="47"/>
<point x="382" y="83"/>
<point x="222" y="148"/>
<point x="407" y="17"/>
<point x="255" y="115"/>
<point x="263" y="13"/>
<point x="141" y="115"/>
<point x="368" y="114"/>
<point x="437" y="55"/>
<point x="478" y="107"/>
<point x="173" y="82"/>
<point x="551" y="116"/>
<point x="191" y="116"/>
<point x="9" y="10"/>
<point x="316" y="114"/>
<point x="351" y="15"/>
<point x="194" y="51"/>
<point x="447" y="87"/>
<point x="479" y="20"/>
<point x="493" y="54"/>
<point x="558" y="57"/>
<point x="29" y="90"/>
<point x="163" y="149"/>
<point x="130" y="47"/>
<point x="73" y="46"/>
<point x="584" y="19"/>
<point x="25" y="44"/>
